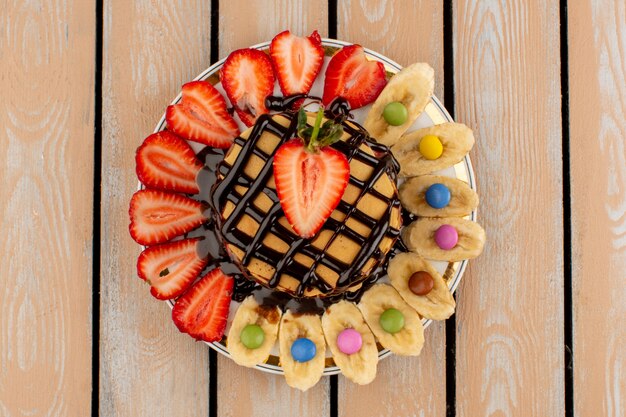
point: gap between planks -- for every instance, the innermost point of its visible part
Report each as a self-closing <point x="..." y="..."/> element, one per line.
<point x="568" y="328"/>
<point x="97" y="184"/>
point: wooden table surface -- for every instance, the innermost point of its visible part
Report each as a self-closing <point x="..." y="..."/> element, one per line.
<point x="539" y="329"/>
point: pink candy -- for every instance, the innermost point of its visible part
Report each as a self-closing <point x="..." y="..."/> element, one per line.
<point x="349" y="341"/>
<point x="446" y="237"/>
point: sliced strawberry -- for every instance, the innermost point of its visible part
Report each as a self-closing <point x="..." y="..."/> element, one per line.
<point x="248" y="77"/>
<point x="203" y="310"/>
<point x="297" y="61"/>
<point x="166" y="162"/>
<point x="309" y="185"/>
<point x="157" y="216"/>
<point x="351" y="76"/>
<point x="202" y="116"/>
<point x="171" y="267"/>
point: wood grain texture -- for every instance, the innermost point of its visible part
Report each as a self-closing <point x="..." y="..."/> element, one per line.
<point x="510" y="317"/>
<point x="245" y="23"/>
<point x="147" y="367"/>
<point x="46" y="206"/>
<point x="406" y="31"/>
<point x="597" y="79"/>
<point x="244" y="391"/>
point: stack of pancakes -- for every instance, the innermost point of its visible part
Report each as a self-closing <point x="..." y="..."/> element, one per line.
<point x="350" y="246"/>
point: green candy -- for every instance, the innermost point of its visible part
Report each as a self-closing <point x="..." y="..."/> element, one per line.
<point x="395" y="113"/>
<point x="392" y="320"/>
<point x="252" y="336"/>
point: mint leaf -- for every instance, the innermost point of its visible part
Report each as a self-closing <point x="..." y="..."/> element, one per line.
<point x="331" y="134"/>
<point x="302" y="120"/>
<point x="319" y="135"/>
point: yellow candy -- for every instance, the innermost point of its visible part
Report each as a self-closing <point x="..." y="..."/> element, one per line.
<point x="431" y="147"/>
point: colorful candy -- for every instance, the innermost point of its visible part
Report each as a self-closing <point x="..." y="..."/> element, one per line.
<point x="431" y="147"/>
<point x="349" y="341"/>
<point x="421" y="283"/>
<point x="446" y="237"/>
<point x="252" y="336"/>
<point x="392" y="320"/>
<point x="395" y="113"/>
<point x="437" y="196"/>
<point x="303" y="350"/>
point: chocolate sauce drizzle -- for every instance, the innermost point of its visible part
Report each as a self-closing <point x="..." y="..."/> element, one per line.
<point x="287" y="103"/>
<point x="284" y="263"/>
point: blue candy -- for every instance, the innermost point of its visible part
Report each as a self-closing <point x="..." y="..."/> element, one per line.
<point x="303" y="350"/>
<point x="438" y="196"/>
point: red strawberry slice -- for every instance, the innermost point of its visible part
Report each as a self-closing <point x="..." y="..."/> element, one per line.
<point x="248" y="77"/>
<point x="203" y="310"/>
<point x="351" y="76"/>
<point x="297" y="61"/>
<point x="166" y="162"/>
<point x="171" y="267"/>
<point x="157" y="216"/>
<point x="309" y="185"/>
<point x="202" y="116"/>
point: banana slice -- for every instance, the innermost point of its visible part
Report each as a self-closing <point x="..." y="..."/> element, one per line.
<point x="250" y="312"/>
<point x="301" y="375"/>
<point x="359" y="367"/>
<point x="419" y="237"/>
<point x="456" y="138"/>
<point x="438" y="304"/>
<point x="410" y="339"/>
<point x="462" y="198"/>
<point x="412" y="86"/>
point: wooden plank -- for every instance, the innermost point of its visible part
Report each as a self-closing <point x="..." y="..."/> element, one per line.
<point x="256" y="393"/>
<point x="46" y="206"/>
<point x="510" y="318"/>
<point x="597" y="62"/>
<point x="400" y="31"/>
<point x="147" y="367"/>
<point x="244" y="23"/>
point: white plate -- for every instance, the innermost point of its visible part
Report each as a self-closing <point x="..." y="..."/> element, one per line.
<point x="434" y="114"/>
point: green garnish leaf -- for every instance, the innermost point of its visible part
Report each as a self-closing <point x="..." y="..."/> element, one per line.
<point x="330" y="133"/>
<point x="302" y="120"/>
<point x="165" y="272"/>
<point x="318" y="135"/>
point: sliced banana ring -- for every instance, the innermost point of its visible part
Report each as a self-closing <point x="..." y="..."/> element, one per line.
<point x="301" y="375"/>
<point x="412" y="86"/>
<point x="463" y="200"/>
<point x="420" y="236"/>
<point x="438" y="304"/>
<point x="456" y="138"/>
<point x="266" y="317"/>
<point x="359" y="367"/>
<point x="381" y="297"/>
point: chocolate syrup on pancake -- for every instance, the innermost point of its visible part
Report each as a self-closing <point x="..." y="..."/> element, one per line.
<point x="349" y="274"/>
